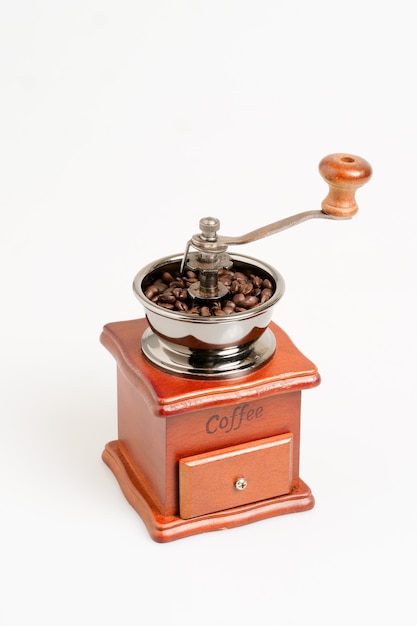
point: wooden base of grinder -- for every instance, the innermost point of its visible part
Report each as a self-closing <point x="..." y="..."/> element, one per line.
<point x="200" y="455"/>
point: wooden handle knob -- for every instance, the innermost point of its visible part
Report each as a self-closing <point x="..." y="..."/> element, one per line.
<point x="344" y="173"/>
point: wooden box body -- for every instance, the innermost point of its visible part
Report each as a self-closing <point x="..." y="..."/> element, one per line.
<point x="163" y="420"/>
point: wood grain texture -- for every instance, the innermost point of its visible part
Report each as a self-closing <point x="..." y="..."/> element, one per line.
<point x="288" y="370"/>
<point x="208" y="481"/>
<point x="163" y="418"/>
<point x="200" y="432"/>
<point x="344" y="173"/>
<point x="163" y="528"/>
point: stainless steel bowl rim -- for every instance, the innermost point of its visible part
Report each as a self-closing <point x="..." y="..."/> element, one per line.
<point x="186" y="317"/>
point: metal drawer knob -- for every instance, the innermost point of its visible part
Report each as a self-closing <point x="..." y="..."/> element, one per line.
<point x="241" y="484"/>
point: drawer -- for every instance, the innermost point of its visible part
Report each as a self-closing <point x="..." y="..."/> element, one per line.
<point x="234" y="476"/>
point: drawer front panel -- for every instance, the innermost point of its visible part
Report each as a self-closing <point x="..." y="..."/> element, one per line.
<point x="234" y="476"/>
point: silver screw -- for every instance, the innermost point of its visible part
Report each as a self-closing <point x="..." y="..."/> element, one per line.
<point x="241" y="484"/>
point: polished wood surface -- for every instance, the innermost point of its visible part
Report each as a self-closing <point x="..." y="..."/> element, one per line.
<point x="230" y="477"/>
<point x="344" y="173"/>
<point x="290" y="371"/>
<point x="238" y="420"/>
<point x="164" y="418"/>
<point x="164" y="528"/>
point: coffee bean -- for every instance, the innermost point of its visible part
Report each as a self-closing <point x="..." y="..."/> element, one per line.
<point x="235" y="286"/>
<point x="246" y="291"/>
<point x="238" y="299"/>
<point x="168" y="297"/>
<point x="160" y="285"/>
<point x="266" y="295"/>
<point x="224" y="272"/>
<point x="167" y="277"/>
<point x="246" y="288"/>
<point x="250" y="302"/>
<point x="151" y="292"/>
<point x="181" y="306"/>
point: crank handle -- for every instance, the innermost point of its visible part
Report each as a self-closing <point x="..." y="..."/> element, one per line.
<point x="344" y="173"/>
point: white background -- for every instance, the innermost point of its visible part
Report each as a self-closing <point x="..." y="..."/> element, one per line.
<point x="122" y="124"/>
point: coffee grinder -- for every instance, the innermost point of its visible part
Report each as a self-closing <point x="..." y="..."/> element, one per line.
<point x="208" y="387"/>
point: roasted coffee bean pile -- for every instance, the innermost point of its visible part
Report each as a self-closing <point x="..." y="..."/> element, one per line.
<point x="246" y="291"/>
